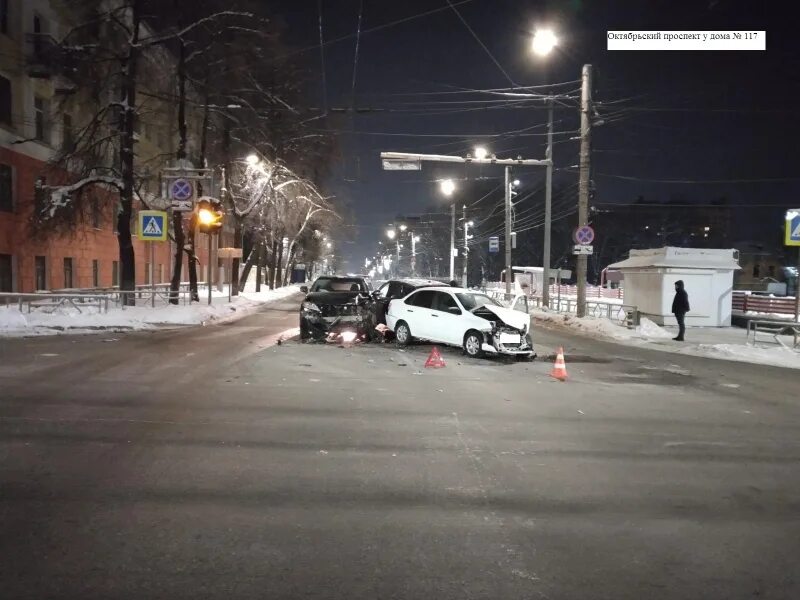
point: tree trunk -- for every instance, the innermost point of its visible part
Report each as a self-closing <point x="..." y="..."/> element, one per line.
<point x="287" y="274"/>
<point x="271" y="263"/>
<point x="175" y="283"/>
<point x="278" y="265"/>
<point x="248" y="265"/>
<point x="127" y="259"/>
<point x="191" y="251"/>
<point x="259" y="263"/>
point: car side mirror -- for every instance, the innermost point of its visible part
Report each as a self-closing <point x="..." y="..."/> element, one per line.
<point x="304" y="289"/>
<point x="454" y="310"/>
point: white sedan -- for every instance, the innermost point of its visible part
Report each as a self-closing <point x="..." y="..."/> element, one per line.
<point x="460" y="317"/>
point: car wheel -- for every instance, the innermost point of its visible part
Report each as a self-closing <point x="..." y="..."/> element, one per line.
<point x="472" y="344"/>
<point x="402" y="334"/>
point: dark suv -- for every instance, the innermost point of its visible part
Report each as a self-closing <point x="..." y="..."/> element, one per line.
<point x="334" y="304"/>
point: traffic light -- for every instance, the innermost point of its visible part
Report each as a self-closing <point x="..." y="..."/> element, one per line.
<point x="209" y="215"/>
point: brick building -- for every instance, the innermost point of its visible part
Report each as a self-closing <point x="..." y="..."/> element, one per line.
<point x="40" y="109"/>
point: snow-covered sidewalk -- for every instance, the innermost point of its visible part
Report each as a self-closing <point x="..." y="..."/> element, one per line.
<point x="14" y="323"/>
<point x="726" y="343"/>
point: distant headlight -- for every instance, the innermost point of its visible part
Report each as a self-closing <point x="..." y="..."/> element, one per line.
<point x="311" y="307"/>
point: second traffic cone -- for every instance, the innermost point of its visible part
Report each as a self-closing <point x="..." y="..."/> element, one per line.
<point x="435" y="360"/>
<point x="560" y="367"/>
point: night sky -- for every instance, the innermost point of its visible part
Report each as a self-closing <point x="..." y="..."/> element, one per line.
<point x="715" y="119"/>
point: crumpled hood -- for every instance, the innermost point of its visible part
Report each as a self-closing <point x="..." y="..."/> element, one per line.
<point x="513" y="318"/>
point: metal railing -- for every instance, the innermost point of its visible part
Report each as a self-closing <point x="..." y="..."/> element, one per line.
<point x="54" y="301"/>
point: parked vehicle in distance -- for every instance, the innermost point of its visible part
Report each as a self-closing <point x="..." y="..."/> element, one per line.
<point x="395" y="289"/>
<point x="335" y="304"/>
<point x="460" y="317"/>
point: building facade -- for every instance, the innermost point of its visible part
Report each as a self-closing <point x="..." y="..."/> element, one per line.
<point x="41" y="112"/>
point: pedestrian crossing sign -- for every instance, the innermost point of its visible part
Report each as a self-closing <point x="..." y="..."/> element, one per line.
<point x="152" y="226"/>
<point x="792" y="236"/>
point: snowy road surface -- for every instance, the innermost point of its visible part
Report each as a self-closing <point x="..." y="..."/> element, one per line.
<point x="214" y="463"/>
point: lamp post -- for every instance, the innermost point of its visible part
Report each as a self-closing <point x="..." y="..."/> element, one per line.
<point x="467" y="225"/>
<point x="543" y="43"/>
<point x="448" y="187"/>
<point x="392" y="235"/>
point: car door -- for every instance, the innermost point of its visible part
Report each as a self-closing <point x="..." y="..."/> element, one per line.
<point x="417" y="309"/>
<point x="447" y="322"/>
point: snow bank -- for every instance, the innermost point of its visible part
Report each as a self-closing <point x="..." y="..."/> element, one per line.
<point x="69" y="320"/>
<point x="649" y="335"/>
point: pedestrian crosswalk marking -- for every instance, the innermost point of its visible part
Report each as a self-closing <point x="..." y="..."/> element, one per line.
<point x="152" y="227"/>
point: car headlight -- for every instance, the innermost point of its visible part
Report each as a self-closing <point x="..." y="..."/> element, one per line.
<point x="311" y="307"/>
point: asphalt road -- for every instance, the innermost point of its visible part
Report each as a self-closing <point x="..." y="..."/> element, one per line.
<point x="212" y="463"/>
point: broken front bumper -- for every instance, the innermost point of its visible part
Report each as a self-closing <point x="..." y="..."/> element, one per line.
<point x="509" y="343"/>
<point x="318" y="327"/>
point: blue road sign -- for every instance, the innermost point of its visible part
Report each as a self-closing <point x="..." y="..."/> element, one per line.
<point x="182" y="189"/>
<point x="494" y="244"/>
<point x="584" y="235"/>
<point x="152" y="226"/>
<point x="792" y="236"/>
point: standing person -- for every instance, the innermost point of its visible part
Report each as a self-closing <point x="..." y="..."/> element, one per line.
<point x="680" y="306"/>
<point x="454" y="283"/>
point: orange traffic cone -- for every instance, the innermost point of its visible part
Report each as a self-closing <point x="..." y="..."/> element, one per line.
<point x="560" y="367"/>
<point x="435" y="360"/>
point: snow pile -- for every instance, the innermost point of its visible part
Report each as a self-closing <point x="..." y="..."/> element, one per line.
<point x="649" y="329"/>
<point x="11" y="318"/>
<point x="777" y="356"/>
<point x="600" y="327"/>
<point x="142" y="316"/>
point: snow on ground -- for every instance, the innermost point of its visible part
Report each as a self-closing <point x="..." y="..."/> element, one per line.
<point x="726" y="343"/>
<point x="69" y="320"/>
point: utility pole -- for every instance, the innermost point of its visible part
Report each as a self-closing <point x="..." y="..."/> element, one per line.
<point x="508" y="233"/>
<point x="452" y="239"/>
<point x="548" y="207"/>
<point x="583" y="179"/>
<point x="413" y="255"/>
<point x="466" y="248"/>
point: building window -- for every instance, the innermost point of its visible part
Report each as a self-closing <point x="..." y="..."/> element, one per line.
<point x="95" y="273"/>
<point x="6" y="188"/>
<point x="68" y="272"/>
<point x="4" y="16"/>
<point x="6" y="278"/>
<point x="771" y="270"/>
<point x="41" y="109"/>
<point x="114" y="273"/>
<point x="756" y="270"/>
<point x="147" y="273"/>
<point x="5" y="101"/>
<point x="96" y="214"/>
<point x="67" y="142"/>
<point x="41" y="273"/>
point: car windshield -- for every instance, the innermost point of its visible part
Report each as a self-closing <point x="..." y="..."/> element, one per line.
<point x="473" y="301"/>
<point x="339" y="284"/>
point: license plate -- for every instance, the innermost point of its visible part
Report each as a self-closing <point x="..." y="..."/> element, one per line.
<point x="510" y="338"/>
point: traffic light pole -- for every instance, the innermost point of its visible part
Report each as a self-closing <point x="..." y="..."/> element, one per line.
<point x="208" y="277"/>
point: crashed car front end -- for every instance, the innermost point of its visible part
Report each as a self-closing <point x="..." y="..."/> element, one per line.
<point x="349" y="322"/>
<point x="501" y="337"/>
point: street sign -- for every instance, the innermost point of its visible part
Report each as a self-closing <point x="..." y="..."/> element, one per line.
<point x="583" y="235"/>
<point x="399" y="164"/>
<point x="792" y="235"/>
<point x="582" y="249"/>
<point x="494" y="244"/>
<point x="181" y="194"/>
<point x="152" y="226"/>
<point x="229" y="252"/>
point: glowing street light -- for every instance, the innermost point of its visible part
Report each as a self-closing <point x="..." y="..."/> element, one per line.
<point x="252" y="159"/>
<point x="391" y="233"/>
<point x="328" y="245"/>
<point x="544" y="40"/>
<point x="447" y="186"/>
<point x="403" y="227"/>
<point x="481" y="152"/>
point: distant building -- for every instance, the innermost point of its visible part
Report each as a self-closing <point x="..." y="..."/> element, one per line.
<point x="761" y="266"/>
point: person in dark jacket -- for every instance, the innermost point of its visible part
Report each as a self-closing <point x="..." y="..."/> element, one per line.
<point x="680" y="306"/>
<point x="454" y="283"/>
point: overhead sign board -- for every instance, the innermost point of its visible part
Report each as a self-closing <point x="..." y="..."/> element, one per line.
<point x="494" y="244"/>
<point x="152" y="226"/>
<point x="399" y="164"/>
<point x="583" y="235"/>
<point x="792" y="234"/>
<point x="229" y="252"/>
<point x="582" y="249"/>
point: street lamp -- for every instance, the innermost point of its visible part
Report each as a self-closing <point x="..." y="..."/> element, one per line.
<point x="448" y="186"/>
<point x="252" y="159"/>
<point x="391" y="234"/>
<point x="480" y="152"/>
<point x="403" y="227"/>
<point x="544" y="40"/>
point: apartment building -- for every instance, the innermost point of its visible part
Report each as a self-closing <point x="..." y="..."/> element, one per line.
<point x="41" y="109"/>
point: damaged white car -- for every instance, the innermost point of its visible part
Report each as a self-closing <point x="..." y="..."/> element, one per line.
<point x="460" y="317"/>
